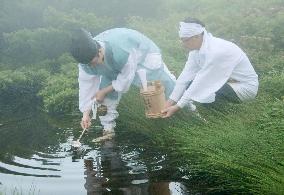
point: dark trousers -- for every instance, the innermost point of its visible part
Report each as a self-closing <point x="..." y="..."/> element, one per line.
<point x="224" y="96"/>
<point x="226" y="93"/>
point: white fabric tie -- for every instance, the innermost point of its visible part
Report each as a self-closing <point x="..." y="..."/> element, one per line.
<point x="190" y="29"/>
<point x="95" y="106"/>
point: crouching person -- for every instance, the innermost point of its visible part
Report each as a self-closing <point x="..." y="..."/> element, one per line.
<point x="108" y="65"/>
<point x="215" y="69"/>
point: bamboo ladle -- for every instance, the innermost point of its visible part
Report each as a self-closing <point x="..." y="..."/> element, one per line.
<point x="76" y="144"/>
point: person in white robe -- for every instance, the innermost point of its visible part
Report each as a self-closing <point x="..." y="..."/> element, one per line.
<point x="215" y="68"/>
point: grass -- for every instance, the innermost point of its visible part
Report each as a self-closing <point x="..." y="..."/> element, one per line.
<point x="241" y="144"/>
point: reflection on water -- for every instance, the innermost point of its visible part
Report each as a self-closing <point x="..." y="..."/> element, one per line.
<point x="36" y="158"/>
<point x="108" y="172"/>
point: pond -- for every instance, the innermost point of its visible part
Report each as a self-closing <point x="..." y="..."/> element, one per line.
<point x="36" y="158"/>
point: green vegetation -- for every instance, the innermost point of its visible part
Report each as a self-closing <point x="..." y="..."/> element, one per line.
<point x="240" y="147"/>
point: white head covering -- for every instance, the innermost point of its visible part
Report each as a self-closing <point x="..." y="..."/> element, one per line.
<point x="190" y="29"/>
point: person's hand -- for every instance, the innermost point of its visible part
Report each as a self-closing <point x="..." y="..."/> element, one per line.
<point x="168" y="112"/>
<point x="169" y="103"/>
<point x="100" y="96"/>
<point x="86" y="120"/>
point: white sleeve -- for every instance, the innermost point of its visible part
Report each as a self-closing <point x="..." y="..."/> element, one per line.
<point x="213" y="75"/>
<point x="187" y="75"/>
<point x="126" y="76"/>
<point x="88" y="86"/>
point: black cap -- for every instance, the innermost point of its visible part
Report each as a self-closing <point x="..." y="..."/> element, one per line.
<point x="83" y="47"/>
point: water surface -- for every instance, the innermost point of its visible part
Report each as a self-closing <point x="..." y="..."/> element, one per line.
<point x="36" y="158"/>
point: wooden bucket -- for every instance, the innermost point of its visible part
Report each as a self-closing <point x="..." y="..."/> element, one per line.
<point x="154" y="99"/>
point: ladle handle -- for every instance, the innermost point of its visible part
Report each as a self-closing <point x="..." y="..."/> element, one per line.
<point x="82" y="134"/>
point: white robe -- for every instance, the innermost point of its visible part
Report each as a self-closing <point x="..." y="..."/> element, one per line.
<point x="217" y="62"/>
<point x="89" y="84"/>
